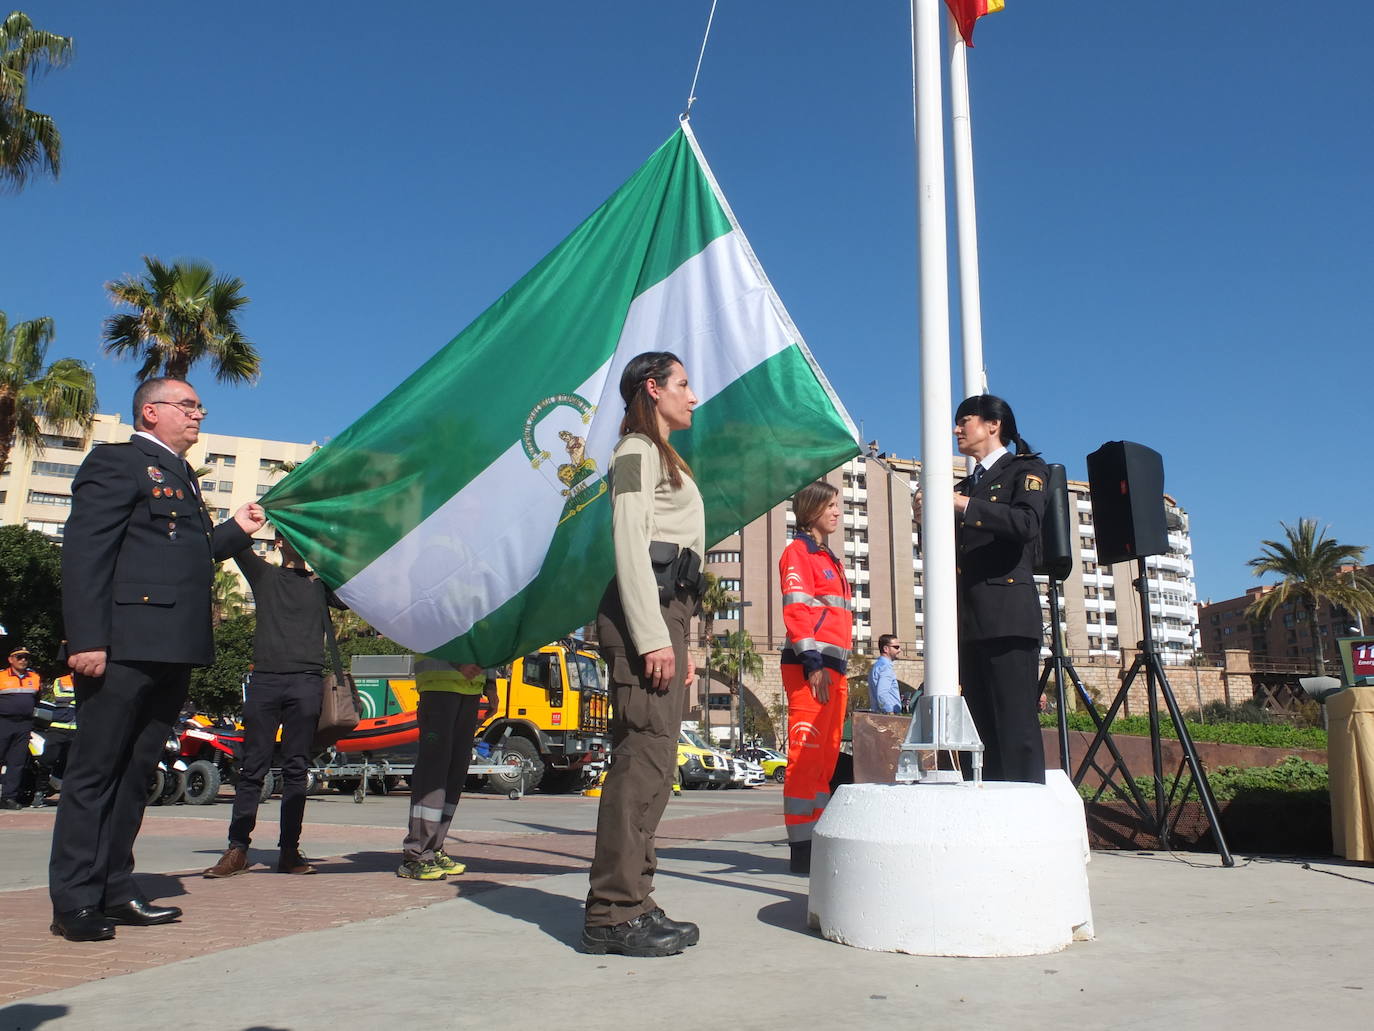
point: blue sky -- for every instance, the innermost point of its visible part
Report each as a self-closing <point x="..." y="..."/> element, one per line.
<point x="1175" y="212"/>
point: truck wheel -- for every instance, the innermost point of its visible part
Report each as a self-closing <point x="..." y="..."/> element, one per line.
<point x="344" y="785"/>
<point x="202" y="782"/>
<point x="524" y="768"/>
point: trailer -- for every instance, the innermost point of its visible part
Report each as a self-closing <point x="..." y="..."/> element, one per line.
<point x="383" y="773"/>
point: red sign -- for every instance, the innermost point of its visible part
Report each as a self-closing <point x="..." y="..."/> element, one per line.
<point x="1362" y="660"/>
<point x="557" y="718"/>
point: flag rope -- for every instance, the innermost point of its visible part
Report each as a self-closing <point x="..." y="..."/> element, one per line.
<point x="692" y="92"/>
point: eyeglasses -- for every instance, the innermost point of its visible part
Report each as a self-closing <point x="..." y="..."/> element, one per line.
<point x="895" y="647"/>
<point x="188" y="406"/>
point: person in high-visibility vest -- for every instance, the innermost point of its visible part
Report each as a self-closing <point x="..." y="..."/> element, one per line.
<point x="816" y="610"/>
<point x="18" y="695"/>
<point x="447" y="714"/>
<point x="57" y="736"/>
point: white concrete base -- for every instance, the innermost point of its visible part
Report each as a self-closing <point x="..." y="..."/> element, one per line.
<point x="952" y="870"/>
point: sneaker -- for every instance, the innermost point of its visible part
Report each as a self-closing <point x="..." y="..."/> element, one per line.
<point x="234" y="861"/>
<point x="691" y="933"/>
<point x="418" y="870"/>
<point x="641" y="937"/>
<point x="447" y="863"/>
<point x="292" y="861"/>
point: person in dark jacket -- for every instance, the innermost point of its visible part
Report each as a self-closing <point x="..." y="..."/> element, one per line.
<point x="138" y="561"/>
<point x="998" y="510"/>
<point x="285" y="690"/>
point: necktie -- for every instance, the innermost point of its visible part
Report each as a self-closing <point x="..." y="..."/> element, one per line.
<point x="978" y="471"/>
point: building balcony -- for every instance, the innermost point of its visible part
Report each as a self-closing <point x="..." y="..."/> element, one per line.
<point x="855" y="493"/>
<point x="859" y="576"/>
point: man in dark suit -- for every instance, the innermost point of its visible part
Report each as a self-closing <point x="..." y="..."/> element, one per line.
<point x="138" y="560"/>
<point x="999" y="508"/>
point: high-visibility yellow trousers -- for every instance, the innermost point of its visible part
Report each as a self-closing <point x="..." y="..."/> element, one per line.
<point x="813" y="747"/>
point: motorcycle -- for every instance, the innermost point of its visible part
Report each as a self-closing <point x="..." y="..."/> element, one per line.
<point x="167" y="782"/>
<point x="47" y="757"/>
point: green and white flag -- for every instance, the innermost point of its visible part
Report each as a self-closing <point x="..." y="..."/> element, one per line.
<point x="467" y="515"/>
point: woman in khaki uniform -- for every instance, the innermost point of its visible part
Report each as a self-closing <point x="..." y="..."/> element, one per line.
<point x="659" y="528"/>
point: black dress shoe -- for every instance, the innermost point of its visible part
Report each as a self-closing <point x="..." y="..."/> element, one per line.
<point x="10" y="803"/>
<point x="141" y="913"/>
<point x="87" y="924"/>
<point x="690" y="932"/>
<point x="641" y="936"/>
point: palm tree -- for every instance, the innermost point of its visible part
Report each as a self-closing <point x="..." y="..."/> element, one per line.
<point x="737" y="658"/>
<point x="226" y="596"/>
<point x="182" y="313"/>
<point x="29" y="141"/>
<point x="63" y="394"/>
<point x="714" y="601"/>
<point x="1310" y="564"/>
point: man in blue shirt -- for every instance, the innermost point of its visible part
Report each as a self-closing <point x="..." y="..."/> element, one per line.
<point x="883" y="693"/>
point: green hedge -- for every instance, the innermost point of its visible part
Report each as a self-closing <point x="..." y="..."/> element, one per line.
<point x="1294" y="777"/>
<point x="1268" y="735"/>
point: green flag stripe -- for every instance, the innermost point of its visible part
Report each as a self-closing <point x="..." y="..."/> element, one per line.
<point x="555" y="327"/>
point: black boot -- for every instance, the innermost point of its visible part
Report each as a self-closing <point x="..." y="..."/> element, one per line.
<point x="691" y="933"/>
<point x="641" y="936"/>
<point x="801" y="857"/>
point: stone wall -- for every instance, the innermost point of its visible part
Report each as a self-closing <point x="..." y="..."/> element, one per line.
<point x="1102" y="676"/>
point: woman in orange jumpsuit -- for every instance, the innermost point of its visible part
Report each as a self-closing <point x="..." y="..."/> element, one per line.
<point x="816" y="609"/>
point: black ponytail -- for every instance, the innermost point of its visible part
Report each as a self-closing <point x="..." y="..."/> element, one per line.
<point x="991" y="408"/>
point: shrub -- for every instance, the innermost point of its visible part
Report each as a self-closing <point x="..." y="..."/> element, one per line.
<point x="1293" y="777"/>
<point x="1267" y="735"/>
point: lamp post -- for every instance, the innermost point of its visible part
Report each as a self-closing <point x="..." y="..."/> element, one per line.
<point x="1359" y="616"/>
<point x="739" y="673"/>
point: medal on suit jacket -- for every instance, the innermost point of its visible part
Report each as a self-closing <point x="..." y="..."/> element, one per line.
<point x="155" y="474"/>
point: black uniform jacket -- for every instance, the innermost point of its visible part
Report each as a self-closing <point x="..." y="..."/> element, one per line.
<point x="138" y="557"/>
<point x="997" y="542"/>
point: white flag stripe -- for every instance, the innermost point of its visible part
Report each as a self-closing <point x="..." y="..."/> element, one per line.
<point x="487" y="543"/>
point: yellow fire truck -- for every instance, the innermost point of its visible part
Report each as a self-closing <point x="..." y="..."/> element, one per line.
<point x="556" y="707"/>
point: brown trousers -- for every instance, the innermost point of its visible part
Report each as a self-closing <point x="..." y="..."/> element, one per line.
<point x="644" y="731"/>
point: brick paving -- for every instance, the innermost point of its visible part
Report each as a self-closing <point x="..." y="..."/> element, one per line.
<point x="264" y="906"/>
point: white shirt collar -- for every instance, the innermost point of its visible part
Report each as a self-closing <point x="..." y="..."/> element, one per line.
<point x="148" y="436"/>
<point x="990" y="460"/>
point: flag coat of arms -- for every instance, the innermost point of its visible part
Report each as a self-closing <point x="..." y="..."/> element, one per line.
<point x="467" y="514"/>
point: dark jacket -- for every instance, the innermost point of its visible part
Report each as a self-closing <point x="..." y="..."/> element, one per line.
<point x="137" y="568"/>
<point x="997" y="542"/>
<point x="289" y="633"/>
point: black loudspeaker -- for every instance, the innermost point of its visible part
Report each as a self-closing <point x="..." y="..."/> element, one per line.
<point x="1126" y="481"/>
<point x="1056" y="529"/>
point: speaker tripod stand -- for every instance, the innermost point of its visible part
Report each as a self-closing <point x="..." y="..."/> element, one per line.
<point x="1162" y="813"/>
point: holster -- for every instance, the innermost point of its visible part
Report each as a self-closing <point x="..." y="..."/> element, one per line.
<point x="675" y="568"/>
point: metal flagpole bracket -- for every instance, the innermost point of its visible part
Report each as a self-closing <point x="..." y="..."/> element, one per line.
<point x="940" y="723"/>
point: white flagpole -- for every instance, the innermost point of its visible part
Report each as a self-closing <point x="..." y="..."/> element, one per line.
<point x="966" y="216"/>
<point x="937" y="417"/>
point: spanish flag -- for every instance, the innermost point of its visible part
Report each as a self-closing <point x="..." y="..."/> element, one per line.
<point x="966" y="12"/>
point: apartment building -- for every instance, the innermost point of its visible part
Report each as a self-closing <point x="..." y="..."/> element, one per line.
<point x="36" y="486"/>
<point x="1286" y="639"/>
<point x="880" y="545"/>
